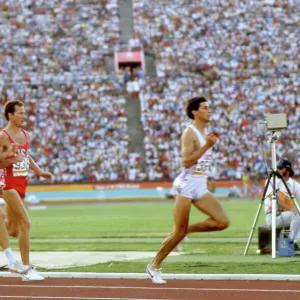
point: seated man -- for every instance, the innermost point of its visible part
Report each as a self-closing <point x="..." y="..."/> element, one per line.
<point x="287" y="215"/>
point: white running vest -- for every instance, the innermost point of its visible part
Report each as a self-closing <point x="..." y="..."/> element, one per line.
<point x="203" y="164"/>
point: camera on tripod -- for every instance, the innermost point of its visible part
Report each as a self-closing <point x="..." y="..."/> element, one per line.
<point x="275" y="122"/>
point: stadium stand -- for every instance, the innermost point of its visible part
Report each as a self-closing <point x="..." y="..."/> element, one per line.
<point x="52" y="59"/>
<point x="242" y="54"/>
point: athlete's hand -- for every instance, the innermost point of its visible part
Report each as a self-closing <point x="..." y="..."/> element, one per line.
<point x="47" y="175"/>
<point x="11" y="151"/>
<point x="14" y="148"/>
<point x="211" y="139"/>
<point x="18" y="158"/>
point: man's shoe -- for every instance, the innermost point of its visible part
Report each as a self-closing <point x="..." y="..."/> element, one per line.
<point x="18" y="267"/>
<point x="155" y="275"/>
<point x="32" y="275"/>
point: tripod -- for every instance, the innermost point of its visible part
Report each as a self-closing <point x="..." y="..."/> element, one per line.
<point x="271" y="180"/>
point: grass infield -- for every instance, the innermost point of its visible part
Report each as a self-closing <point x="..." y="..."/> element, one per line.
<point x="154" y="220"/>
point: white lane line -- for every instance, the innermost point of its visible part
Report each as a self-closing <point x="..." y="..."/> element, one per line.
<point x="146" y="288"/>
<point x="75" y="298"/>
<point x="239" y="277"/>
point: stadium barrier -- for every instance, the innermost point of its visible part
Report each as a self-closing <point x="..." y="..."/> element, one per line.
<point x="60" y="193"/>
<point x="112" y="191"/>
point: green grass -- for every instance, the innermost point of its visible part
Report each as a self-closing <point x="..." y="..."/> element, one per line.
<point x="194" y="267"/>
<point x="130" y="220"/>
<point x="209" y="248"/>
<point x="154" y="220"/>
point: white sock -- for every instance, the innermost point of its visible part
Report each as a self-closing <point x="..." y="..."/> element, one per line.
<point x="10" y="256"/>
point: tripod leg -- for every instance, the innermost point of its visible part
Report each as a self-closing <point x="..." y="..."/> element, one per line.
<point x="253" y="227"/>
<point x="274" y="211"/>
<point x="275" y="207"/>
<point x="258" y="212"/>
<point x="296" y="205"/>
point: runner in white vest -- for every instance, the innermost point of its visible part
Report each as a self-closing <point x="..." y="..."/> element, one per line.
<point x="288" y="215"/>
<point x="190" y="186"/>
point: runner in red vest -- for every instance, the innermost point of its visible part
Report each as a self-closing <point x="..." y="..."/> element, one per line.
<point x="18" y="222"/>
<point x="13" y="264"/>
<point x="16" y="174"/>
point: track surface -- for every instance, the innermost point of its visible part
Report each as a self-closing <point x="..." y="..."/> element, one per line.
<point x="130" y="289"/>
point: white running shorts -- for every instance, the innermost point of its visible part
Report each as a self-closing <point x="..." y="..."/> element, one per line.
<point x="189" y="186"/>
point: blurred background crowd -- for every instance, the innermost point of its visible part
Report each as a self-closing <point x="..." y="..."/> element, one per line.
<point x="242" y="55"/>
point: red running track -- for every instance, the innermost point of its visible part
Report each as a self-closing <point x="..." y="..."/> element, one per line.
<point x="141" y="289"/>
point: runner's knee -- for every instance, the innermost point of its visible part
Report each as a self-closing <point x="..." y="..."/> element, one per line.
<point x="25" y="225"/>
<point x="222" y="223"/>
<point x="181" y="232"/>
<point x="12" y="231"/>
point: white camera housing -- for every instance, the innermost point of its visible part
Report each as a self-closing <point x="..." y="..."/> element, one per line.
<point x="275" y="122"/>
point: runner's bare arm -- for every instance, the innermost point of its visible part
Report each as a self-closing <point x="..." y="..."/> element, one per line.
<point x="190" y="152"/>
<point x="33" y="166"/>
<point x="4" y="142"/>
<point x="5" y="162"/>
<point x="8" y="153"/>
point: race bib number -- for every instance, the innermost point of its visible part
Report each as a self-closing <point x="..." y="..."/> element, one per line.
<point x="21" y="168"/>
<point x="203" y="166"/>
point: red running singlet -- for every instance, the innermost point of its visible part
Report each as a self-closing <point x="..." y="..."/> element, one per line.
<point x="16" y="174"/>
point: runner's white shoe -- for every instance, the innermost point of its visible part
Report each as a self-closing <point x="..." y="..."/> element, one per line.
<point x="18" y="267"/>
<point x="179" y="248"/>
<point x="32" y="275"/>
<point x="155" y="275"/>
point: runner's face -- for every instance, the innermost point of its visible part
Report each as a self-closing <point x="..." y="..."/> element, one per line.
<point x="203" y="112"/>
<point x="19" y="116"/>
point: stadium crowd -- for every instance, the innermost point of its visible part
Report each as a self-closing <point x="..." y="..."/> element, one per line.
<point x="242" y="54"/>
<point x="52" y="58"/>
